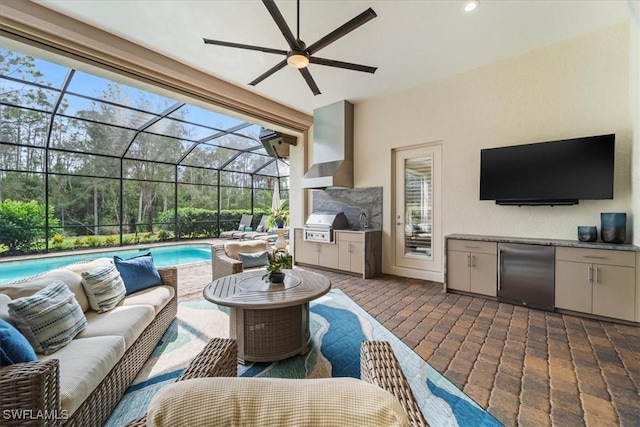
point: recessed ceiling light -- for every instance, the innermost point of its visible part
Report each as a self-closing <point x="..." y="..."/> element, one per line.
<point x="471" y="5"/>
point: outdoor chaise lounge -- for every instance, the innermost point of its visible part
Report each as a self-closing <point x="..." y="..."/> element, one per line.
<point x="245" y="221"/>
<point x="260" y="230"/>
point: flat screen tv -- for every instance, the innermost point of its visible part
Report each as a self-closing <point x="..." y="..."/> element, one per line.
<point x="549" y="173"/>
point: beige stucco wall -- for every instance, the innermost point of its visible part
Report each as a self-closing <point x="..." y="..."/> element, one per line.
<point x="574" y="88"/>
<point x="634" y="76"/>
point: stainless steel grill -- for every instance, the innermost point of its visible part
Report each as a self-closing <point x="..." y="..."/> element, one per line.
<point x="320" y="225"/>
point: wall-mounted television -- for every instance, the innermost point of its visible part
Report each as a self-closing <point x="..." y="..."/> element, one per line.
<point x="549" y="173"/>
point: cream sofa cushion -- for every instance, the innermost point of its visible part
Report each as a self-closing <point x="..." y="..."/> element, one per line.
<point x="4" y="308"/>
<point x="248" y="247"/>
<point x="84" y="363"/>
<point x="156" y="296"/>
<point x="30" y="285"/>
<point x="124" y="321"/>
<point x="274" y="402"/>
<point x="81" y="267"/>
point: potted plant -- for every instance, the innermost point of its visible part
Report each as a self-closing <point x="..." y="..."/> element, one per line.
<point x="279" y="217"/>
<point x="281" y="260"/>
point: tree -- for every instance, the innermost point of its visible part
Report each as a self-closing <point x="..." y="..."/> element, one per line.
<point x="23" y="223"/>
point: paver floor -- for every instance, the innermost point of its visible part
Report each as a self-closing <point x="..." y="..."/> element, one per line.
<point x="526" y="367"/>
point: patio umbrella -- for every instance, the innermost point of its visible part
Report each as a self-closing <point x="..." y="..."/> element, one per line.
<point x="275" y="200"/>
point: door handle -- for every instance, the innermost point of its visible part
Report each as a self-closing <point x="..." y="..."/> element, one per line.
<point x="590" y="274"/>
<point x="398" y="223"/>
<point x="500" y="264"/>
<point x="595" y="275"/>
<point x="468" y="260"/>
<point x="473" y="261"/>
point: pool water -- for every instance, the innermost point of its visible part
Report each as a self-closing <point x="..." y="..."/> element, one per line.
<point x="164" y="256"/>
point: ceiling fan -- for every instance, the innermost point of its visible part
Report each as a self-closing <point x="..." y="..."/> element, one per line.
<point x="299" y="56"/>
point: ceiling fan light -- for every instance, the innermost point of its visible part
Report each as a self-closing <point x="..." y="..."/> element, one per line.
<point x="298" y="60"/>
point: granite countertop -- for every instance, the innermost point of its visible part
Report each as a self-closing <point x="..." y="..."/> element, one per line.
<point x="351" y="230"/>
<point x="547" y="242"/>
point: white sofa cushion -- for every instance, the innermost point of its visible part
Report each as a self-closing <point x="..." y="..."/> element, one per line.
<point x="104" y="287"/>
<point x="249" y="246"/>
<point x="4" y="308"/>
<point x="274" y="402"/>
<point x="127" y="322"/>
<point x="158" y="297"/>
<point x="31" y="285"/>
<point x="84" y="363"/>
<point x="50" y="318"/>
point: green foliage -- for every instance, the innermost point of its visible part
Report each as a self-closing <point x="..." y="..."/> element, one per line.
<point x="110" y="241"/>
<point x="281" y="260"/>
<point x="192" y="222"/>
<point x="280" y="214"/>
<point x="127" y="239"/>
<point x="92" y="241"/>
<point x="57" y="239"/>
<point x="22" y="224"/>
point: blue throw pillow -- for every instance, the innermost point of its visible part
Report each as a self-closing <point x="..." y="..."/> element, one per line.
<point x="138" y="273"/>
<point x="14" y="347"/>
<point x="257" y="259"/>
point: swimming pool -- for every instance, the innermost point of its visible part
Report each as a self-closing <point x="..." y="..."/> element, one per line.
<point x="163" y="256"/>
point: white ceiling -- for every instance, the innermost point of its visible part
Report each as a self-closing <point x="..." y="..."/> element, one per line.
<point x="411" y="41"/>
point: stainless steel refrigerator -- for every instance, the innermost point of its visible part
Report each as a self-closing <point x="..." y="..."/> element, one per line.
<point x="526" y="275"/>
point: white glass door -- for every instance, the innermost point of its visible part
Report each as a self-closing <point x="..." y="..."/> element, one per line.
<point x="417" y="204"/>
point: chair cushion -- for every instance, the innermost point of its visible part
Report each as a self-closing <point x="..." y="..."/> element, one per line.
<point x="250" y="246"/>
<point x="50" y="318"/>
<point x="138" y="273"/>
<point x="225" y="401"/>
<point x="104" y="287"/>
<point x="124" y="321"/>
<point x="256" y="259"/>
<point x="31" y="285"/>
<point x="14" y="347"/>
<point x="157" y="297"/>
<point x="84" y="363"/>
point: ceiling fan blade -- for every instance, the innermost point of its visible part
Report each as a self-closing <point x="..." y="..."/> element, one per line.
<point x="340" y="64"/>
<point x="245" y="46"/>
<point x="343" y="30"/>
<point x="280" y="65"/>
<point x="312" y="84"/>
<point x="281" y="23"/>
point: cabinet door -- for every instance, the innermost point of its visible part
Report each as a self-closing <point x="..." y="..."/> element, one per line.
<point x="484" y="274"/>
<point x="573" y="286"/>
<point x="614" y="291"/>
<point x="357" y="257"/>
<point x="344" y="258"/>
<point x="458" y="270"/>
<point x="328" y="256"/>
<point x="305" y="252"/>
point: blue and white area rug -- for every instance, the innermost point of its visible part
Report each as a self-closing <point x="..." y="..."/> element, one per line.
<point x="338" y="327"/>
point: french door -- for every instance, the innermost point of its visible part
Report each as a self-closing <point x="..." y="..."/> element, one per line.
<point x="417" y="220"/>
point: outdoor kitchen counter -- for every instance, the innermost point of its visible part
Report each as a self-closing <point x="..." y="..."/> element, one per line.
<point x="352" y="251"/>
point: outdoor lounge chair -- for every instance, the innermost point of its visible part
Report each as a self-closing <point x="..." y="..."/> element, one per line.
<point x="245" y="221"/>
<point x="260" y="230"/>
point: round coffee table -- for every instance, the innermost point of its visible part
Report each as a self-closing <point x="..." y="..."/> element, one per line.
<point x="269" y="321"/>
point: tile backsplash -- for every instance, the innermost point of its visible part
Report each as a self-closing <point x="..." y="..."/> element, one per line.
<point x="351" y="201"/>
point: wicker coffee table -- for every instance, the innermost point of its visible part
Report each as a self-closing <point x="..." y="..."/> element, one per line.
<point x="269" y="321"/>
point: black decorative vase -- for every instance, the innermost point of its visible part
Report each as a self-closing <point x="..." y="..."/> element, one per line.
<point x="613" y="227"/>
<point x="587" y="233"/>
<point x="276" y="277"/>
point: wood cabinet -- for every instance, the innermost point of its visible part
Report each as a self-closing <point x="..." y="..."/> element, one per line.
<point x="596" y="281"/>
<point x="350" y="252"/>
<point x="472" y="266"/>
<point x="320" y="254"/>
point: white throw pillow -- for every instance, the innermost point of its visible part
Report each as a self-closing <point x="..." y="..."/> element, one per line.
<point x="104" y="287"/>
<point x="50" y="318"/>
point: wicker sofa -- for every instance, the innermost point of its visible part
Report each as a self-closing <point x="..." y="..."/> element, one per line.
<point x="38" y="393"/>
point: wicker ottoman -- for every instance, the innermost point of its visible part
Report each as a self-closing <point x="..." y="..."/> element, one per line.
<point x="218" y="358"/>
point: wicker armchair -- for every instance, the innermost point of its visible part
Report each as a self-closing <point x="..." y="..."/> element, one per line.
<point x="379" y="366"/>
<point x="34" y="386"/>
<point x="224" y="265"/>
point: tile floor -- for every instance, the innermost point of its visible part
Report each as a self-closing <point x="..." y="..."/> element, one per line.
<point x="526" y="367"/>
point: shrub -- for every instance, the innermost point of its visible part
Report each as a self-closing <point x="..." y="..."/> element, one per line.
<point x="22" y="224"/>
<point x="57" y="239"/>
<point x="163" y="235"/>
<point x="92" y="241"/>
<point x="110" y="240"/>
<point x="79" y="242"/>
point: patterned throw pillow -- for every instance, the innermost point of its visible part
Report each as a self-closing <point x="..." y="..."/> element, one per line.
<point x="50" y="318"/>
<point x="104" y="287"/>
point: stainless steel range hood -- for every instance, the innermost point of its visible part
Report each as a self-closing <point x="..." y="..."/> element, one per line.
<point x="332" y="147"/>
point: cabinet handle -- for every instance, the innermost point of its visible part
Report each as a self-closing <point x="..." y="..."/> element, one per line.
<point x="590" y="275"/>
<point x="500" y="266"/>
<point x="472" y="247"/>
<point x="594" y="257"/>
<point x="468" y="260"/>
<point x="473" y="260"/>
<point x="595" y="275"/>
